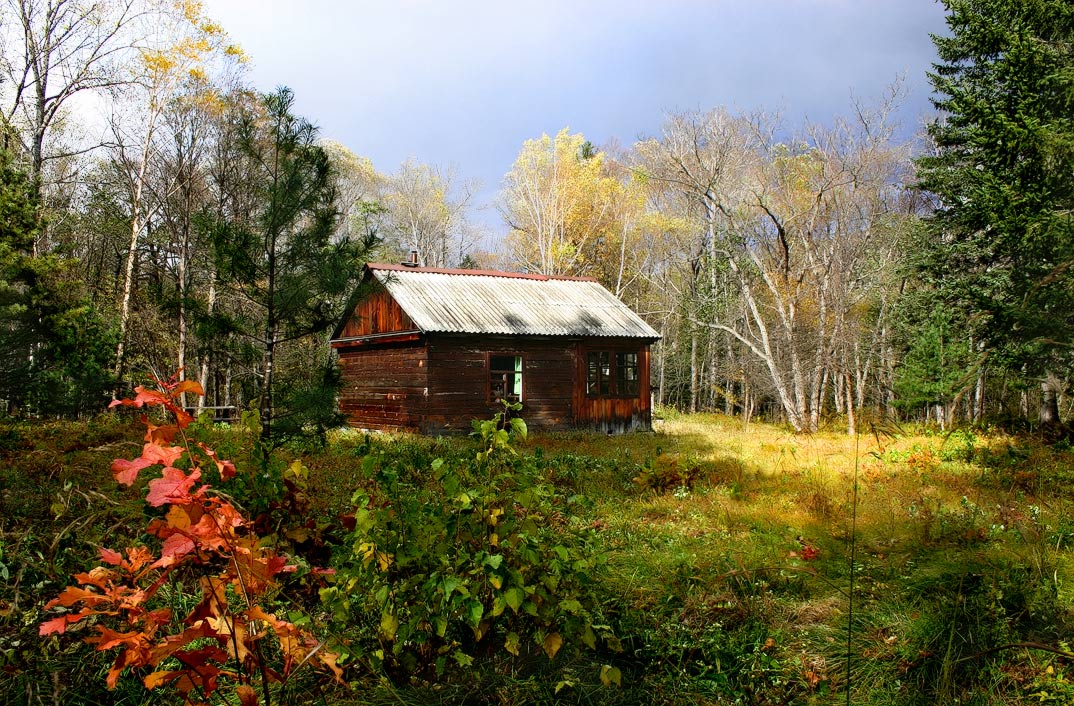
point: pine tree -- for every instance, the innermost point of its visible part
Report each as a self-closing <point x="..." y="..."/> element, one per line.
<point x="54" y="349"/>
<point x="1001" y="243"/>
<point x="289" y="261"/>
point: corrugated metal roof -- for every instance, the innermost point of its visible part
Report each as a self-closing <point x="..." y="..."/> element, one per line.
<point x="477" y="301"/>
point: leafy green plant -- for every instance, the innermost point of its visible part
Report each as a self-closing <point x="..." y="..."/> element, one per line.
<point x="478" y="560"/>
<point x="667" y="472"/>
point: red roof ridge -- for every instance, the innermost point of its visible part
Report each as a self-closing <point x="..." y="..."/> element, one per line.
<point x="486" y="273"/>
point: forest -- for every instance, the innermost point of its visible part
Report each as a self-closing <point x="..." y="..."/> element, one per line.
<point x="799" y="274"/>
<point x="173" y="239"/>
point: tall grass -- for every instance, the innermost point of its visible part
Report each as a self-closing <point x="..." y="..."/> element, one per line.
<point x="733" y="554"/>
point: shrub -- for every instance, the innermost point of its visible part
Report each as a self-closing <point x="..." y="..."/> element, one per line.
<point x="477" y="560"/>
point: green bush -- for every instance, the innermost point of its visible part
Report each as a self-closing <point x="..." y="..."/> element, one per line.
<point x="476" y="560"/>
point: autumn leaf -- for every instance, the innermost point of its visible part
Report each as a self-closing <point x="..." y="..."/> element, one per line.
<point x="330" y="660"/>
<point x="247" y="695"/>
<point x="174" y="548"/>
<point x="73" y="594"/>
<point x="152" y="681"/>
<point x="98" y="576"/>
<point x="552" y="643"/>
<point x="173" y="486"/>
<point x="188" y="386"/>
<point x="109" y="638"/>
<point x="225" y="468"/>
<point x="126" y="472"/>
<point x="58" y="625"/>
<point x="110" y="556"/>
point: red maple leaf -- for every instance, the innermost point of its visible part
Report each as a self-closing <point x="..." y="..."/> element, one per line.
<point x="126" y="472"/>
<point x="173" y="486"/>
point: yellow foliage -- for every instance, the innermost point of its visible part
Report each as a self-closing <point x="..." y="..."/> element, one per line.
<point x="559" y="201"/>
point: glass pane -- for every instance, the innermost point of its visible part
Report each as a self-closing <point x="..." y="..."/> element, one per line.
<point x="505" y="377"/>
<point x="592" y="379"/>
<point x="626" y="374"/>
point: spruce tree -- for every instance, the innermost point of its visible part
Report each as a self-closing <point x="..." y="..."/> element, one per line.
<point x="1000" y="246"/>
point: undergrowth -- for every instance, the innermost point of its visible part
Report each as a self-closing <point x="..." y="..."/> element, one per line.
<point x="718" y="563"/>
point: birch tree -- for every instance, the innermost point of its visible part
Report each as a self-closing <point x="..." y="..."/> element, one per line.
<point x="557" y="201"/>
<point x="55" y="51"/>
<point x="176" y="58"/>
<point x="426" y="211"/>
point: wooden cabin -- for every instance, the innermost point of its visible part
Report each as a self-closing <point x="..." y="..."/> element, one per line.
<point x="430" y="350"/>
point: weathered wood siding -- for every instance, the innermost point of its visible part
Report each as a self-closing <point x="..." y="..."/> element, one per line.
<point x="458" y="381"/>
<point x="439" y="383"/>
<point x="376" y="314"/>
<point x="613" y="414"/>
<point x="384" y="388"/>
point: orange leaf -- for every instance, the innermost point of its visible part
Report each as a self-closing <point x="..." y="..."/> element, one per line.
<point x="152" y="681"/>
<point x="330" y="659"/>
<point x="98" y="576"/>
<point x="137" y="557"/>
<point x="110" y="556"/>
<point x="164" y="455"/>
<point x="247" y="695"/>
<point x="173" y="486"/>
<point x="126" y="472"/>
<point x="225" y="468"/>
<point x="73" y="594"/>
<point x="163" y="434"/>
<point x="58" y="626"/>
<point x="174" y="548"/>
<point x="192" y="386"/>
<point x="110" y="638"/>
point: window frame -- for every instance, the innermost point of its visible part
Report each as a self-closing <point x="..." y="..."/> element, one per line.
<point x="612" y="379"/>
<point x="519" y="361"/>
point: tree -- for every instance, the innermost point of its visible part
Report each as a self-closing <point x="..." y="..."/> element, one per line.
<point x="791" y="240"/>
<point x="426" y="211"/>
<point x="557" y="201"/>
<point x="53" y="347"/>
<point x="286" y="257"/>
<point x="1000" y="246"/>
<point x="704" y="159"/>
<point x="174" y="60"/>
<point x="59" y="49"/>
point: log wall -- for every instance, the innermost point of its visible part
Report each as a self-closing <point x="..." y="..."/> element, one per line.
<point x="384" y="388"/>
<point x="439" y="384"/>
<point x="458" y="381"/>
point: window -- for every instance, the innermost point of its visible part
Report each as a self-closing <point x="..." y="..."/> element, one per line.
<point x="626" y="374"/>
<point x="505" y="377"/>
<point x="612" y="375"/>
<point x="598" y="377"/>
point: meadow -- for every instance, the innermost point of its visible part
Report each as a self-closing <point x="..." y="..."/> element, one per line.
<point x="705" y="563"/>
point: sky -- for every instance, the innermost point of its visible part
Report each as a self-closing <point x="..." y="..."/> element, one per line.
<point x="463" y="83"/>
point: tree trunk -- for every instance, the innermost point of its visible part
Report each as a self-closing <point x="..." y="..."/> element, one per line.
<point x="693" y="372"/>
<point x="205" y="358"/>
<point x="1049" y="403"/>
<point x="662" y="362"/>
<point x="852" y="421"/>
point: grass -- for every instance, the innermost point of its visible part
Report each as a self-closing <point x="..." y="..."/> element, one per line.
<point x="728" y="577"/>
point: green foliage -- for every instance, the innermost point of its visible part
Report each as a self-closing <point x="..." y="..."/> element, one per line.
<point x="1002" y="239"/>
<point x="668" y="472"/>
<point x="287" y="258"/>
<point x="494" y="434"/>
<point x="470" y="562"/>
<point x="54" y="350"/>
<point x="937" y="366"/>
